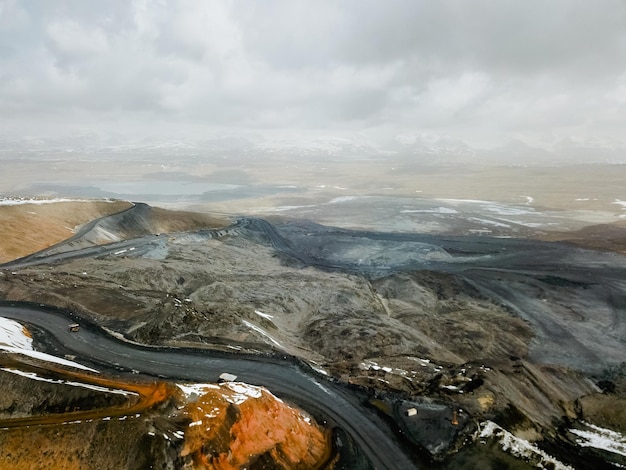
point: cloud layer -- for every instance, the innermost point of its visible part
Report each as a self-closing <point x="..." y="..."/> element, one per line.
<point x="480" y="71"/>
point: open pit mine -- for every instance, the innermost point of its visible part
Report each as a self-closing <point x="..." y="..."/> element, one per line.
<point x="134" y="337"/>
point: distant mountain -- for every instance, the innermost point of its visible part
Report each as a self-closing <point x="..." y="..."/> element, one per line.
<point x="518" y="152"/>
<point x="572" y="151"/>
<point x="326" y="146"/>
<point x="433" y="148"/>
<point x="421" y="148"/>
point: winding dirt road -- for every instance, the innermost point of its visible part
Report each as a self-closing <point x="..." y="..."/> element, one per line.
<point x="284" y="377"/>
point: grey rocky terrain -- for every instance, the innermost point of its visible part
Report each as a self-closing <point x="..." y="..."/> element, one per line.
<point x="527" y="334"/>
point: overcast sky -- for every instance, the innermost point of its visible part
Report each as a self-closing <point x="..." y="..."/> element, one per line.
<point x="480" y="71"/>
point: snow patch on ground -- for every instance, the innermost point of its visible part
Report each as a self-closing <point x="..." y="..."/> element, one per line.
<point x="19" y="201"/>
<point x="264" y="315"/>
<point x="506" y="210"/>
<point x="33" y="376"/>
<point x="13" y="335"/>
<point x="48" y="358"/>
<point x="319" y="370"/>
<point x="368" y="364"/>
<point x="194" y="390"/>
<point x="347" y="199"/>
<point x="239" y="392"/>
<point x="489" y="222"/>
<point x="437" y="210"/>
<point x="495" y="207"/>
<point x="601" y="438"/>
<point x="285" y="208"/>
<point x="242" y="391"/>
<point x="531" y="224"/>
<point x="14" y="339"/>
<point x="520" y="447"/>
<point x="262" y="332"/>
<point x="464" y="201"/>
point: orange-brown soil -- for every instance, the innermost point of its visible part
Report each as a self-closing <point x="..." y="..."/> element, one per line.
<point x="104" y="431"/>
<point x="144" y="395"/>
<point x="228" y="426"/>
<point x="230" y="430"/>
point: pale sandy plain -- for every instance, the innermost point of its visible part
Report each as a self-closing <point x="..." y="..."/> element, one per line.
<point x="548" y="202"/>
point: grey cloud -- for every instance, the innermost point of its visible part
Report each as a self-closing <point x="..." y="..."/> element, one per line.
<point x="481" y="69"/>
<point x="514" y="35"/>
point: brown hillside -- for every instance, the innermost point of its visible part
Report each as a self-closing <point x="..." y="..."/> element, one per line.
<point x="610" y="237"/>
<point x="28" y="228"/>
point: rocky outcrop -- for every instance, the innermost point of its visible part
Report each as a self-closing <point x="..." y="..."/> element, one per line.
<point x="228" y="426"/>
<point x="236" y="425"/>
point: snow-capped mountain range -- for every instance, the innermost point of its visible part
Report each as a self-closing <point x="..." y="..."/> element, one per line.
<point x="425" y="148"/>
